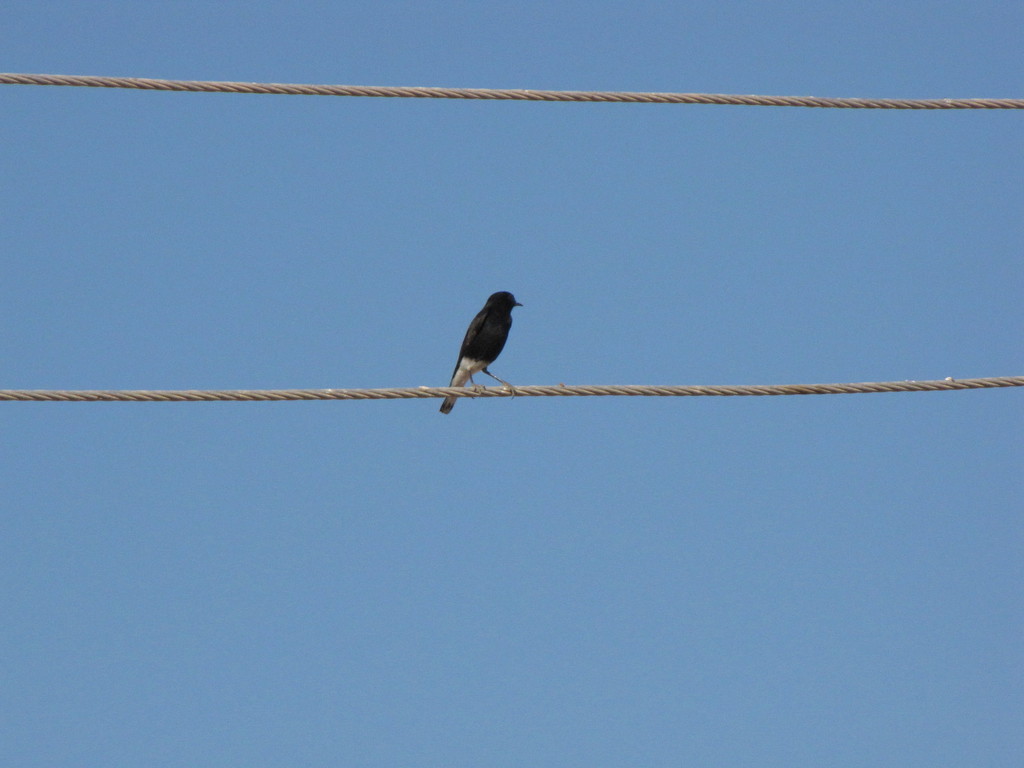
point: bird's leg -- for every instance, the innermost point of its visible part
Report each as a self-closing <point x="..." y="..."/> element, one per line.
<point x="478" y="388"/>
<point x="511" y="388"/>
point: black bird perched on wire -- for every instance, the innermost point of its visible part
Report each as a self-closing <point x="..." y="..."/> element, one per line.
<point x="485" y="338"/>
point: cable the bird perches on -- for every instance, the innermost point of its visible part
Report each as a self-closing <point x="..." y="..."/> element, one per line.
<point x="561" y="390"/>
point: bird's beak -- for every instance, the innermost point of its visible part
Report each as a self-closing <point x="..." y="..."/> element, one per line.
<point x="517" y="304"/>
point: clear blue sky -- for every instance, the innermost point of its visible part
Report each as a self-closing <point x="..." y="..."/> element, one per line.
<point x="798" y="581"/>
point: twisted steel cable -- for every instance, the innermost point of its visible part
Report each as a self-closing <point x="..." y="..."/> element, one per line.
<point x="502" y="94"/>
<point x="561" y="390"/>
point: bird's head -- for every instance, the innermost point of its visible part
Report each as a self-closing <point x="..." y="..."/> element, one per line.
<point x="503" y="299"/>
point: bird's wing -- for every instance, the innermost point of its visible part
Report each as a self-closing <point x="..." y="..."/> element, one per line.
<point x="474" y="330"/>
<point x="471" y="333"/>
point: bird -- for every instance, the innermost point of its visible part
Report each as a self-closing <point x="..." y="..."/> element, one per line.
<point x="485" y="338"/>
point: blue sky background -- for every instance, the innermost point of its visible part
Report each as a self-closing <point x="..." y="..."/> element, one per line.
<point x="568" y="582"/>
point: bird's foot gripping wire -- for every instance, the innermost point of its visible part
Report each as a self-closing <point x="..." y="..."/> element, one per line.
<point x="510" y="387"/>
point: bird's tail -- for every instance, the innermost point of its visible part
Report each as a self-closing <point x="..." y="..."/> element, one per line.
<point x="460" y="377"/>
